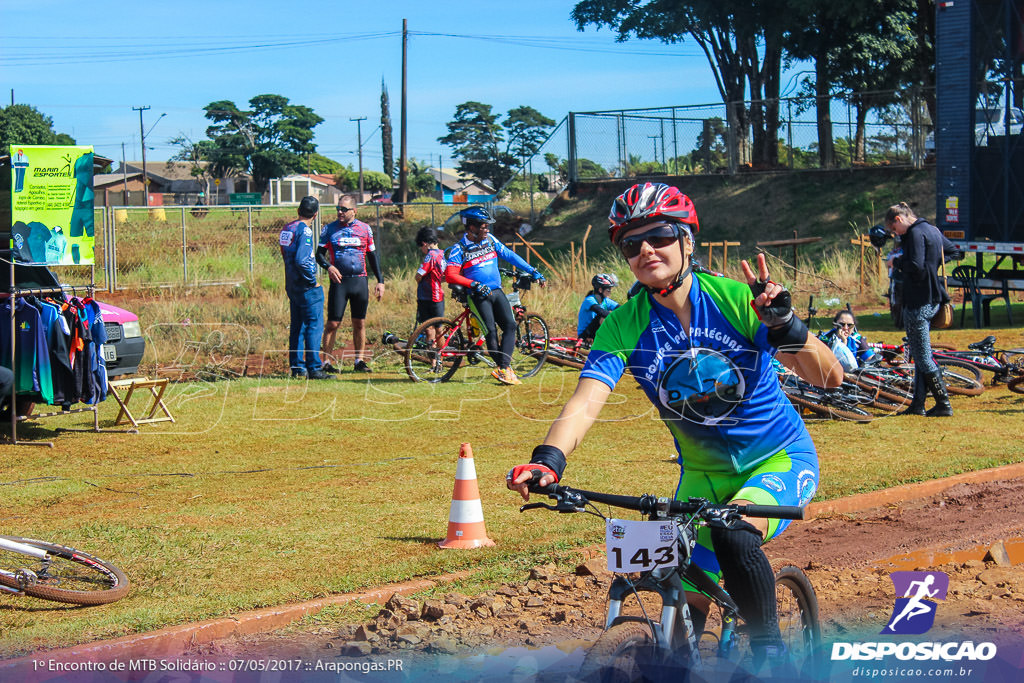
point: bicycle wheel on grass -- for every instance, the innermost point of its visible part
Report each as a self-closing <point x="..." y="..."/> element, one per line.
<point x="425" y="361"/>
<point x="1016" y="384"/>
<point x="619" y="655"/>
<point x="566" y="356"/>
<point x="818" y="402"/>
<point x="531" y="346"/>
<point x="960" y="377"/>
<point x="66" y="575"/>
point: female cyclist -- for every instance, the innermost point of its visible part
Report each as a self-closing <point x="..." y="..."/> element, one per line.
<point x="701" y="346"/>
<point x="849" y="346"/>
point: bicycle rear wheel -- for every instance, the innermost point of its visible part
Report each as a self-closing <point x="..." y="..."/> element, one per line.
<point x="1016" y="384"/>
<point x="531" y="346"/>
<point x="619" y="655"/>
<point x="425" y="361"/>
<point x="803" y="395"/>
<point x="66" y="575"/>
<point x="960" y="377"/>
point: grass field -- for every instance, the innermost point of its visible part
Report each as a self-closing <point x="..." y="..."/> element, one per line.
<point x="267" y="491"/>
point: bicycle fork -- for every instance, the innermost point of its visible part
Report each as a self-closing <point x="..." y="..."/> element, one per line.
<point x="675" y="611"/>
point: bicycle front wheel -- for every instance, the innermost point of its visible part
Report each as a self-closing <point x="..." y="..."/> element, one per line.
<point x="619" y="655"/>
<point x="960" y="377"/>
<point x="437" y="359"/>
<point x="65" y="575"/>
<point x="798" y="618"/>
<point x="531" y="346"/>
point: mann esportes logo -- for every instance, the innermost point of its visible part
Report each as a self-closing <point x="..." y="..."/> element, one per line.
<point x="916" y="596"/>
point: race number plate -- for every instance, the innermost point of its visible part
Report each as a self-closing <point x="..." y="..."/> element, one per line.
<point x="109" y="352"/>
<point x="636" y="546"/>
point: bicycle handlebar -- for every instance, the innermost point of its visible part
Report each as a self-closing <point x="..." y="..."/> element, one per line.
<point x="570" y="499"/>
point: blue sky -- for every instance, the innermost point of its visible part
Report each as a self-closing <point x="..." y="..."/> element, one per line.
<point x="87" y="64"/>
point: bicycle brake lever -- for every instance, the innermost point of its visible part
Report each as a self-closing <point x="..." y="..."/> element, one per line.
<point x="534" y="506"/>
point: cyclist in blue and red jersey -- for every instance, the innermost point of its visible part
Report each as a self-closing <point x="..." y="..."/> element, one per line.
<point x="473" y="263"/>
<point x="429" y="278"/>
<point x="701" y="347"/>
<point x="305" y="296"/>
<point x="345" y="249"/>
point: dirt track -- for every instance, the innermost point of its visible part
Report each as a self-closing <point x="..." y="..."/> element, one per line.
<point x="848" y="558"/>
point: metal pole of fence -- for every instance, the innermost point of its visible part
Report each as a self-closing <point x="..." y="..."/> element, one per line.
<point x="849" y="133"/>
<point x="113" y="252"/>
<point x="531" y="190"/>
<point x="789" y="131"/>
<point x="571" y="140"/>
<point x="432" y="221"/>
<point x="248" y="211"/>
<point x="675" y="144"/>
<point x="184" y="256"/>
<point x="618" y="143"/>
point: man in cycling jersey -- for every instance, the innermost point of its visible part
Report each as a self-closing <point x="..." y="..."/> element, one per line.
<point x="473" y="263"/>
<point x="596" y="306"/>
<point x="346" y="246"/>
<point x="305" y="296"/>
<point x="700" y="346"/>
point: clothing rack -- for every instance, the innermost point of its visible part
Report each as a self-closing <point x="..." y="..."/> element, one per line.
<point x="14" y="293"/>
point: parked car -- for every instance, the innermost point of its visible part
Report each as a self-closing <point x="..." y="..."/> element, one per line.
<point x="987" y="121"/>
<point x="125" y="343"/>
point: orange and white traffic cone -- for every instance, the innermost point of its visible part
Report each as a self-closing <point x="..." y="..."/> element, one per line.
<point x="466" y="515"/>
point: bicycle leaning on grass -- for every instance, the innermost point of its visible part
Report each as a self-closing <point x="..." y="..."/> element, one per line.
<point x="655" y="645"/>
<point x="55" y="572"/>
<point x="436" y="358"/>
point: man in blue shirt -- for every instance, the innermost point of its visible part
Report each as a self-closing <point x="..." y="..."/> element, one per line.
<point x="305" y="296"/>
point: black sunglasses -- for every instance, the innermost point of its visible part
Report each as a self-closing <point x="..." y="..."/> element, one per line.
<point x="658" y="238"/>
<point x="343" y="209"/>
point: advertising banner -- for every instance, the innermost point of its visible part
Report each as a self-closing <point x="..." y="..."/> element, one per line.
<point x="52" y="204"/>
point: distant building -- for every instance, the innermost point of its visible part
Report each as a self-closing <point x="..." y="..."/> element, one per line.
<point x="172" y="182"/>
<point x="453" y="186"/>
<point x="292" y="188"/>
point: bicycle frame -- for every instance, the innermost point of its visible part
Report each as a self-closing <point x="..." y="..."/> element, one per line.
<point x="15" y="547"/>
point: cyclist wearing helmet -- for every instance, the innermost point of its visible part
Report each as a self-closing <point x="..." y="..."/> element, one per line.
<point x="473" y="263"/>
<point x="701" y="347"/>
<point x="596" y="306"/>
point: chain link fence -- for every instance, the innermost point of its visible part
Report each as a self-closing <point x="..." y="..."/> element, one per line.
<point x="701" y="139"/>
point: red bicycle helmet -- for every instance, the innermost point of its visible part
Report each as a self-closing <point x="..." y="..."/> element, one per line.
<point x="647" y="203"/>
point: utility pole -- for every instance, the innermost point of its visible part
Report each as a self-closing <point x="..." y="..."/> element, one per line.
<point x="403" y="171"/>
<point x="124" y="174"/>
<point x="142" y="138"/>
<point x="654" y="144"/>
<point x="359" y="134"/>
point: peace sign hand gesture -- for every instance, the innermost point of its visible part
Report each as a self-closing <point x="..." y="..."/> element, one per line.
<point x="772" y="301"/>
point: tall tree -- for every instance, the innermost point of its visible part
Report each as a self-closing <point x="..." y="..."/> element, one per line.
<point x="23" y="124"/>
<point x="478" y="139"/>
<point x="387" y="144"/>
<point x="193" y="154"/>
<point x="741" y="40"/>
<point x="269" y="140"/>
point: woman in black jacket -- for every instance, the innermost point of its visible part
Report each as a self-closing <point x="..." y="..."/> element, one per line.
<point x="924" y="249"/>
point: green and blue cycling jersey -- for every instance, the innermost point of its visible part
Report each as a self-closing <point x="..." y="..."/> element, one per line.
<point x="714" y="385"/>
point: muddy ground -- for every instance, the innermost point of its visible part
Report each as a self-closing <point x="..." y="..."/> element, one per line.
<point x="848" y="558"/>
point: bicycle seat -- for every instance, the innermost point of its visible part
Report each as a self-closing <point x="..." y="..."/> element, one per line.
<point x="988" y="342"/>
<point x="459" y="293"/>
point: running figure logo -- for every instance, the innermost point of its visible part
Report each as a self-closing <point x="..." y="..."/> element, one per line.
<point x="914" y="612"/>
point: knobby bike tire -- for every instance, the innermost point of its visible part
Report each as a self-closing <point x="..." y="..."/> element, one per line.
<point x="424" y="363"/>
<point x="73" y="577"/>
<point x="885" y="394"/>
<point x="1016" y="384"/>
<point x="815" y="405"/>
<point x="798" y="619"/>
<point x="614" y="657"/>
<point x="961" y="377"/>
<point x="531" y="348"/>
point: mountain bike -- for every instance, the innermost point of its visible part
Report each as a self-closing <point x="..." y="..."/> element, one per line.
<point x="662" y="643"/>
<point x="461" y="339"/>
<point x="569" y="352"/>
<point x="960" y="377"/>
<point x="1006" y="365"/>
<point x="846" y="402"/>
<point x="55" y="572"/>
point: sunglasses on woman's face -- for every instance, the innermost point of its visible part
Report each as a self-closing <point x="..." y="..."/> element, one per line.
<point x="846" y="325"/>
<point x="658" y="238"/>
